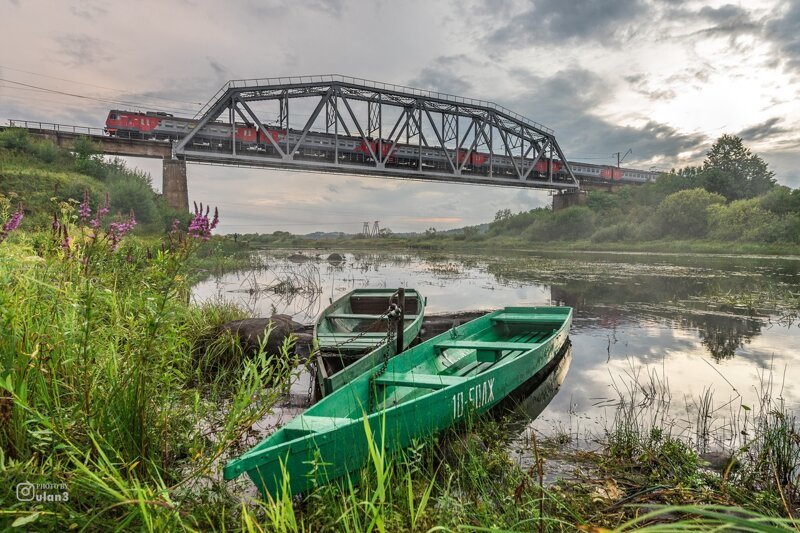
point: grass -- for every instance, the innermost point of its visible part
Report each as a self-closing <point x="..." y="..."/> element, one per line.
<point x="118" y="388"/>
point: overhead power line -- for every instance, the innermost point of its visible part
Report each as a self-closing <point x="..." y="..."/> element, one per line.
<point x="96" y="86"/>
<point x="97" y="99"/>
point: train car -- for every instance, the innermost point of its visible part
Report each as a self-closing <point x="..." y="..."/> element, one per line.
<point x="318" y="146"/>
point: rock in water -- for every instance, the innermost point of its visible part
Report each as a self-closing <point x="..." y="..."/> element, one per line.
<point x="251" y="331"/>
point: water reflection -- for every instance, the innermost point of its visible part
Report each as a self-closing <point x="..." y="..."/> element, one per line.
<point x="634" y="315"/>
<point x="531" y="398"/>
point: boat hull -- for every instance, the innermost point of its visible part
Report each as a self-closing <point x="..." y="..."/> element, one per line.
<point x="333" y="438"/>
<point x="339" y="360"/>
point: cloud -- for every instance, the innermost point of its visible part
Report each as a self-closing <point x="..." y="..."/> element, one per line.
<point x="607" y="22"/>
<point x="766" y="130"/>
<point x="641" y="85"/>
<point x="83" y="50"/>
<point x="89" y="10"/>
<point x="783" y="31"/>
<point x="565" y="102"/>
<point x="446" y="74"/>
<point x="728" y="20"/>
<point x="332" y="7"/>
<point x="220" y="71"/>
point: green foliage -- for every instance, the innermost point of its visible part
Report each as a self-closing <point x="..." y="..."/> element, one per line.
<point x="684" y="214"/>
<point x="733" y="171"/>
<point x="741" y="220"/>
<point x="781" y="200"/>
<point x="618" y="232"/>
<point x="37" y="171"/>
<point x="16" y="139"/>
<point x="603" y="202"/>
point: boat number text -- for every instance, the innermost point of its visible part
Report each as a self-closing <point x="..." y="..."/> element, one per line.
<point x="477" y="396"/>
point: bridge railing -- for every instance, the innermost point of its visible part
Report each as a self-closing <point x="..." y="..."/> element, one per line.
<point x="50" y="126"/>
<point x="327" y="78"/>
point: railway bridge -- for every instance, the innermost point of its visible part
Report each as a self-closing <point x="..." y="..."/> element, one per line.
<point x="338" y="124"/>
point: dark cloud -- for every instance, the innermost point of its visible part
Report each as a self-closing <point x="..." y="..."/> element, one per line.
<point x="220" y="71"/>
<point x="727" y="20"/>
<point x="83" y="50"/>
<point x="565" y="101"/>
<point x="88" y="10"/>
<point x="447" y="74"/>
<point x="784" y="32"/>
<point x="766" y="130"/>
<point x="640" y="84"/>
<point x="555" y="21"/>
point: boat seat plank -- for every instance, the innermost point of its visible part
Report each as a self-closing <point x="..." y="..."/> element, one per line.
<point x="525" y="318"/>
<point x="485" y="345"/>
<point x="412" y="379"/>
<point x="347" y="335"/>
<point x="486" y="351"/>
<point x="322" y="422"/>
<point x="364" y="317"/>
<point x="349" y="347"/>
<point x="306" y="424"/>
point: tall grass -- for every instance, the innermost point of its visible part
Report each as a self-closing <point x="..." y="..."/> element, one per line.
<point x="110" y="382"/>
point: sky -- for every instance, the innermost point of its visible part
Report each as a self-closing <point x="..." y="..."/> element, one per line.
<point x="663" y="78"/>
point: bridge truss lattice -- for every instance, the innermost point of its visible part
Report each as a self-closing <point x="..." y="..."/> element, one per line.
<point x="383" y="118"/>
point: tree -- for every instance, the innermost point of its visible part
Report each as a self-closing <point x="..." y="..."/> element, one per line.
<point x="502" y="214"/>
<point x="733" y="171"/>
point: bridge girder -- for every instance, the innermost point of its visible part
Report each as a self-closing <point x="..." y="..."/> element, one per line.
<point x="454" y="127"/>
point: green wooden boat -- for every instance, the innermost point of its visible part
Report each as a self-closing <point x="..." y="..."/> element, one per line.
<point x="352" y="333"/>
<point x="427" y="388"/>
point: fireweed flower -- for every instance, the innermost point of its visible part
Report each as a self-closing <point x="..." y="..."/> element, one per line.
<point x="117" y="230"/>
<point x="200" y="227"/>
<point x="11" y="224"/>
<point x="55" y="225"/>
<point x="101" y="212"/>
<point x="85" y="211"/>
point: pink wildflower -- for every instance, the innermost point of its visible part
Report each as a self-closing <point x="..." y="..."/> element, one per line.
<point x="200" y="227"/>
<point x="85" y="211"/>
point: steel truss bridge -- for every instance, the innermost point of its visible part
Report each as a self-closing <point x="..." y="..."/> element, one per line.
<point x="348" y="125"/>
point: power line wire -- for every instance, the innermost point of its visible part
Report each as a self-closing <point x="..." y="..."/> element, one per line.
<point x="97" y="86"/>
<point x="106" y="100"/>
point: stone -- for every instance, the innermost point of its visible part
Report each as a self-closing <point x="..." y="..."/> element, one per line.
<point x="250" y="331"/>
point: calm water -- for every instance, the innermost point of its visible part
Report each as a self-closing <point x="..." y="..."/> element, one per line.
<point x="675" y="327"/>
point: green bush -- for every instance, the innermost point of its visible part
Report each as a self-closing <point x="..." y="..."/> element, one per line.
<point x="47" y="152"/>
<point x="615" y="233"/>
<point x="15" y="139"/>
<point x="684" y="214"/>
<point x="131" y="195"/>
<point x="740" y="220"/>
<point x="781" y="200"/>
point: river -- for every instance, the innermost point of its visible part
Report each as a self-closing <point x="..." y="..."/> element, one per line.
<point x="678" y="335"/>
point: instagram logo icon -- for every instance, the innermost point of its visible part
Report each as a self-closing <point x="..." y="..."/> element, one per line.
<point x="25" y="491"/>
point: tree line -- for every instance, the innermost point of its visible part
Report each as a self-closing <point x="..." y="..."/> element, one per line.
<point x="732" y="196"/>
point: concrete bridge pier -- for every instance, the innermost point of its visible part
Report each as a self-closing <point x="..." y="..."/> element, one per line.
<point x="567" y="199"/>
<point x="173" y="185"/>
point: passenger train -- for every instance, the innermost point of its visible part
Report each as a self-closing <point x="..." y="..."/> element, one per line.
<point x="317" y="146"/>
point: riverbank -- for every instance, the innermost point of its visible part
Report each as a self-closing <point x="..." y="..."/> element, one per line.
<point x="119" y="405"/>
<point x="508" y="244"/>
